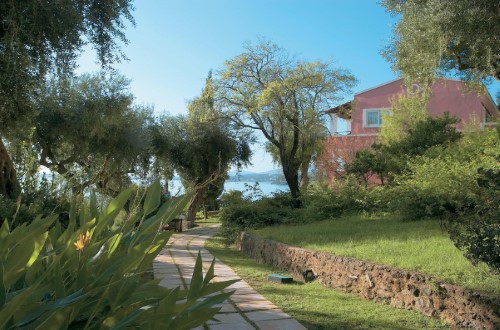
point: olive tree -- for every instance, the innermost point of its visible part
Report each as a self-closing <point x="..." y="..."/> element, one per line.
<point x="436" y="36"/>
<point x="201" y="147"/>
<point x="89" y="131"/>
<point x="266" y="89"/>
<point x="43" y="38"/>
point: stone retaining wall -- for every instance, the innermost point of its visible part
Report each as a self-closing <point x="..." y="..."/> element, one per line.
<point x="403" y="289"/>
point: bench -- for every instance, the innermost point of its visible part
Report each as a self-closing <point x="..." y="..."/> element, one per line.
<point x="212" y="213"/>
<point x="175" y="225"/>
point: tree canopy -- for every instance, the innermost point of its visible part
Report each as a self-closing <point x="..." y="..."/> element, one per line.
<point x="40" y="39"/>
<point x="88" y="130"/>
<point x="266" y="89"/>
<point x="201" y="147"/>
<point x="439" y="36"/>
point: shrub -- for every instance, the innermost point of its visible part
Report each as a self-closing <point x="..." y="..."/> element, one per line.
<point x="239" y="213"/>
<point x="40" y="199"/>
<point x="444" y="179"/>
<point x="348" y="195"/>
<point x="391" y="158"/>
<point x="319" y="203"/>
<point x="92" y="276"/>
<point x="477" y="231"/>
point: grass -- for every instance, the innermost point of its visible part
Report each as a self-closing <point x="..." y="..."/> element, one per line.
<point x="201" y="222"/>
<point x="387" y="239"/>
<point x="317" y="307"/>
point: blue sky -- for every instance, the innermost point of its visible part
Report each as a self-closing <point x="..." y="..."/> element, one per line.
<point x="177" y="42"/>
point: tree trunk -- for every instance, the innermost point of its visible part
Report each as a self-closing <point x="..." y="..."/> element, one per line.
<point x="304" y="182"/>
<point x="9" y="186"/>
<point x="291" y="174"/>
<point x="194" y="206"/>
<point x="205" y="210"/>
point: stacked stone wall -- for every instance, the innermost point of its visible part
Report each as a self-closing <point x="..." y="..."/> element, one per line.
<point x="460" y="307"/>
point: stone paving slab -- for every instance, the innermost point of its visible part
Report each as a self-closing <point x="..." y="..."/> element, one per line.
<point x="270" y="314"/>
<point x="245" y="309"/>
<point x="248" y="306"/>
<point x="232" y="326"/>
<point x="286" y="324"/>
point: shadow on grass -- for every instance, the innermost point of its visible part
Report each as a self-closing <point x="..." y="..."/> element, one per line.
<point x="315" y="306"/>
<point x="321" y="308"/>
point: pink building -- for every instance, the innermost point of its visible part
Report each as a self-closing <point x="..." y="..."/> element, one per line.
<point x="356" y="124"/>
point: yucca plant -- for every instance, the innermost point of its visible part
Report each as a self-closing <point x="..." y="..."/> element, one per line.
<point x="91" y="274"/>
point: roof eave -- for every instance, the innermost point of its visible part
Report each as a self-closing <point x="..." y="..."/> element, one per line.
<point x="342" y="111"/>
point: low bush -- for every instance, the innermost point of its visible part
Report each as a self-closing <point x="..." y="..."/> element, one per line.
<point x="239" y="212"/>
<point x="444" y="180"/>
<point x="92" y="275"/>
<point x="41" y="199"/>
<point x="477" y="231"/>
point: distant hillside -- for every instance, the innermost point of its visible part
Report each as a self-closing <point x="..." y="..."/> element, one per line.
<point x="273" y="176"/>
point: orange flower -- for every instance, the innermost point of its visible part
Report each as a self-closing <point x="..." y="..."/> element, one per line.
<point x="82" y="241"/>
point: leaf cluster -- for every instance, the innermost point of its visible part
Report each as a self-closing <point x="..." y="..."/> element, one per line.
<point x="266" y="89"/>
<point x="40" y="38"/>
<point x="388" y="160"/>
<point x="87" y="130"/>
<point x="201" y="146"/>
<point x="443" y="36"/>
<point x="92" y="274"/>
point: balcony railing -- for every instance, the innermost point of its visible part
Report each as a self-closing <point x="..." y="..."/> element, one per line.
<point x="342" y="133"/>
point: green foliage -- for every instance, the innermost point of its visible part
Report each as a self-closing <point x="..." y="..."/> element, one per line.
<point x="406" y="111"/>
<point x="387" y="160"/>
<point x="41" y="195"/>
<point x="43" y="200"/>
<point x="200" y="144"/>
<point x="390" y="239"/>
<point x="374" y="162"/>
<point x="426" y="133"/>
<point x="239" y="212"/>
<point x="201" y="147"/>
<point x="266" y="89"/>
<point x="347" y="196"/>
<point x="439" y="36"/>
<point x="477" y="230"/>
<point x="40" y="38"/>
<point x="91" y="274"/>
<point x="43" y="39"/>
<point x="88" y="131"/>
<point x="444" y="179"/>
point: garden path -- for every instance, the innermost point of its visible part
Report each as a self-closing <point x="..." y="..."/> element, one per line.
<point x="245" y="309"/>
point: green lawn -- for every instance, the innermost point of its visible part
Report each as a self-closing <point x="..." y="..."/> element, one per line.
<point x="387" y="239"/>
<point x="317" y="307"/>
<point x="201" y="222"/>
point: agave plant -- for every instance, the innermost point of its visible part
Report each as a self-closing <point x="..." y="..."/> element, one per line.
<point x="91" y="274"/>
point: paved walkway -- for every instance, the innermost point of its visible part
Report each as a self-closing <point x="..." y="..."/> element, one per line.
<point x="245" y="309"/>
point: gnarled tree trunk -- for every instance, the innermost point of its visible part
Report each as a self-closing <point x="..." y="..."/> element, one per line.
<point x="194" y="206"/>
<point x="291" y="173"/>
<point x="9" y="186"/>
<point x="304" y="168"/>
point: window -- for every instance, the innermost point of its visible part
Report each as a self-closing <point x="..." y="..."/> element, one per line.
<point x="488" y="118"/>
<point x="373" y="117"/>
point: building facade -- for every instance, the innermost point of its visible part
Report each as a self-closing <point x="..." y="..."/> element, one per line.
<point x="355" y="125"/>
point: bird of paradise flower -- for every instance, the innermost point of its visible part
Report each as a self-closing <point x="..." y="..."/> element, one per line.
<point x="82" y="241"/>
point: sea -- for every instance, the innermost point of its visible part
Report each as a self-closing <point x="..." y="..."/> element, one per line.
<point x="267" y="188"/>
